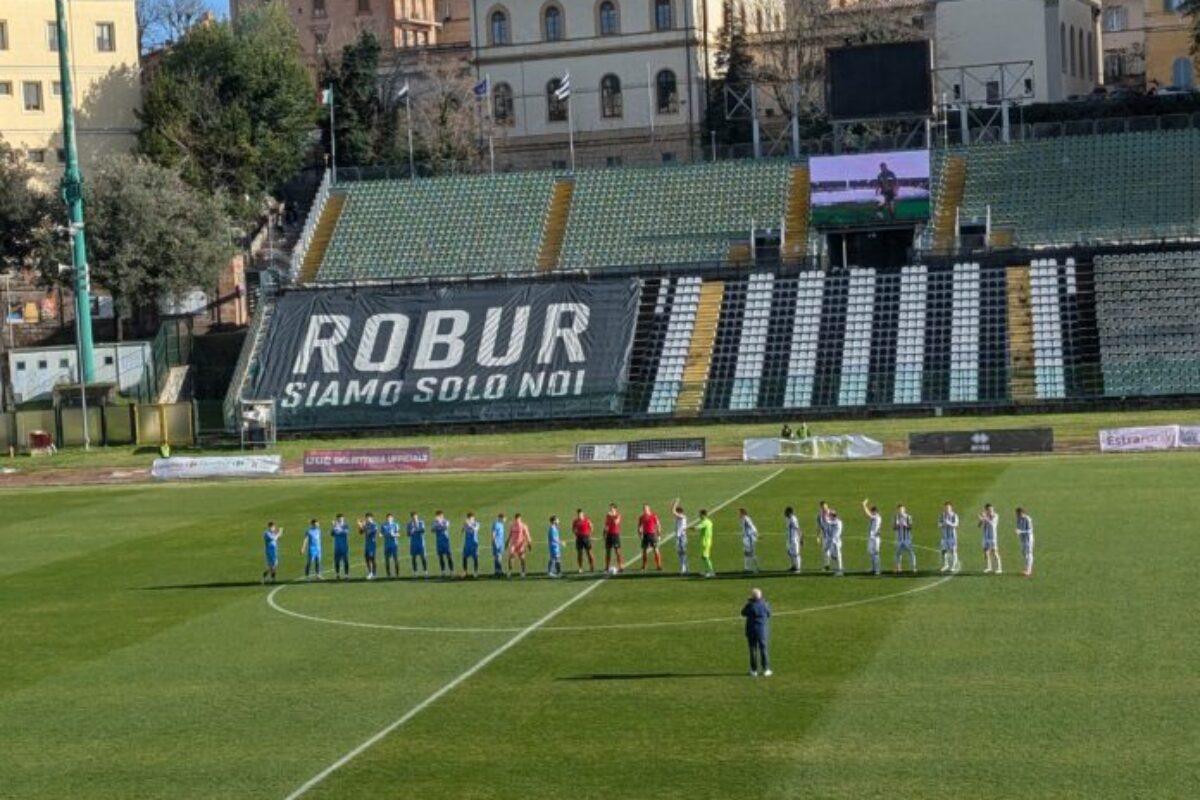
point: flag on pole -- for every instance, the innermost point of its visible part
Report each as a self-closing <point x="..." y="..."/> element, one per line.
<point x="402" y="92"/>
<point x="327" y="96"/>
<point x="564" y="87"/>
<point x="481" y="88"/>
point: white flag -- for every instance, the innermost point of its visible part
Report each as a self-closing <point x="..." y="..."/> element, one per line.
<point x="564" y="87"/>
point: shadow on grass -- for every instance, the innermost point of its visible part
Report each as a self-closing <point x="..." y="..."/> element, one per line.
<point x="648" y="676"/>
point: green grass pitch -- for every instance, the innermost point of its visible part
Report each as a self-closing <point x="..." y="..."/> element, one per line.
<point x="141" y="658"/>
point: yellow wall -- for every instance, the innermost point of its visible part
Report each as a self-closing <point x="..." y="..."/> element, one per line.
<point x="107" y="84"/>
<point x="1167" y="39"/>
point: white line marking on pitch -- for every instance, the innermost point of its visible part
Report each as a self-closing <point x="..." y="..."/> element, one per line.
<point x="479" y="665"/>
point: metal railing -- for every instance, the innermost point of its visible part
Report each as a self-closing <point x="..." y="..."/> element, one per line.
<point x="234" y="395"/>
<point x="310" y="226"/>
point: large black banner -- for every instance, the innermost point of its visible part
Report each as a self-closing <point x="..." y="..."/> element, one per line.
<point x="398" y="355"/>
<point x="1012" y="440"/>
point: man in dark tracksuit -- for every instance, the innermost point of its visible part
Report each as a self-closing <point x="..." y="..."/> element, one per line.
<point x="757" y="613"/>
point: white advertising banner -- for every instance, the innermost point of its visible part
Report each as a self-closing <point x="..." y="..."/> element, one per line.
<point x="1189" y="436"/>
<point x="814" y="448"/>
<point x="215" y="467"/>
<point x="1125" y="440"/>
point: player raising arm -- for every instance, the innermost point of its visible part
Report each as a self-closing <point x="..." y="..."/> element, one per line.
<point x="311" y="549"/>
<point x="470" y="530"/>
<point x="681" y="528"/>
<point x="390" y="529"/>
<point x="1025" y="537"/>
<point x="874" y="523"/>
<point x="271" y="545"/>
<point x="902" y="524"/>
<point x="341" y="546"/>
<point x="987" y="525"/>
<point x="948" y="522"/>
<point x="416" y="543"/>
<point x="441" y="539"/>
<point x="795" y="538"/>
<point x="369" y="530"/>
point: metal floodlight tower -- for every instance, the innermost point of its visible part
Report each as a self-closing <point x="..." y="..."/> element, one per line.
<point x="72" y="195"/>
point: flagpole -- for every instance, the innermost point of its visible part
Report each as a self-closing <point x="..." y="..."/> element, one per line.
<point x="332" y="139"/>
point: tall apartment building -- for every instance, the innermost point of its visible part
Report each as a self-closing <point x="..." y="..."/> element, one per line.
<point x="102" y="36"/>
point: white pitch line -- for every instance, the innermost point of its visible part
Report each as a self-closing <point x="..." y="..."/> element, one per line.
<point x="479" y="665"/>
<point x="433" y="698"/>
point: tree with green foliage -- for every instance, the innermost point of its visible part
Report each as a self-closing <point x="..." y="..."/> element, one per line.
<point x="734" y="72"/>
<point x="357" y="108"/>
<point x="151" y="235"/>
<point x="27" y="212"/>
<point x="231" y="106"/>
<point x="1191" y="11"/>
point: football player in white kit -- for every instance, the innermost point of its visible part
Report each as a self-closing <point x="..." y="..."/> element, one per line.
<point x="823" y="529"/>
<point x="987" y="524"/>
<point x="875" y="522"/>
<point x="902" y="524"/>
<point x="834" y="549"/>
<point x="795" y="538"/>
<point x="1025" y="536"/>
<point x="749" y="540"/>
<point x="681" y="528"/>
<point x="948" y="522"/>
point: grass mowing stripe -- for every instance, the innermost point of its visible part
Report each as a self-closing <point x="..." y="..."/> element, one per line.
<point x="433" y="698"/>
<point x="483" y="662"/>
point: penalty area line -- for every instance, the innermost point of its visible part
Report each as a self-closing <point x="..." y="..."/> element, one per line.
<point x="471" y="671"/>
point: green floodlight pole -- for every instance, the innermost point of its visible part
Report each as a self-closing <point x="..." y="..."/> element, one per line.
<point x="72" y="195"/>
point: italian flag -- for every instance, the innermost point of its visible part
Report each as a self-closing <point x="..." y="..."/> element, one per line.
<point x="326" y="96"/>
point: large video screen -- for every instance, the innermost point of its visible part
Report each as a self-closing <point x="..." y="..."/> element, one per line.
<point x="878" y="80"/>
<point x="870" y="188"/>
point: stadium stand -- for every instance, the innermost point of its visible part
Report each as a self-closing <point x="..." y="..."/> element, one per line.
<point x="1125" y="187"/>
<point x="1148" y="328"/>
<point x="671" y="215"/>
<point x="455" y="225"/>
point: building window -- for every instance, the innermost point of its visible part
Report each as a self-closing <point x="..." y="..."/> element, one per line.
<point x="42" y="364"/>
<point x="20" y="366"/>
<point x="5" y="88"/>
<point x="108" y="361"/>
<point x="63" y="363"/>
<point x="37" y="156"/>
<point x="61" y="155"/>
<point x="666" y="92"/>
<point x="1079" y="49"/>
<point x="1172" y="5"/>
<point x="668" y="158"/>
<point x="364" y="6"/>
<point x="52" y="37"/>
<point x="1062" y="45"/>
<point x="613" y="161"/>
<point x="1113" y="66"/>
<point x="610" y="97"/>
<point x="3" y="34"/>
<point x="556" y="110"/>
<point x="106" y="37"/>
<point x="1091" y="57"/>
<point x="993" y="92"/>
<point x="502" y="104"/>
<point x="610" y="19"/>
<point x="662" y="15"/>
<point x="1116" y="19"/>
<point x="1183" y="73"/>
<point x="1071" y="36"/>
<point x="32" y="91"/>
<point x="500" y="33"/>
<point x="318" y="9"/>
<point x="56" y="88"/>
<point x="553" y="24"/>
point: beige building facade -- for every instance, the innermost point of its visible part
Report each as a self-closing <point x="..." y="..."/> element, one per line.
<point x="1147" y="44"/>
<point x="102" y="37"/>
